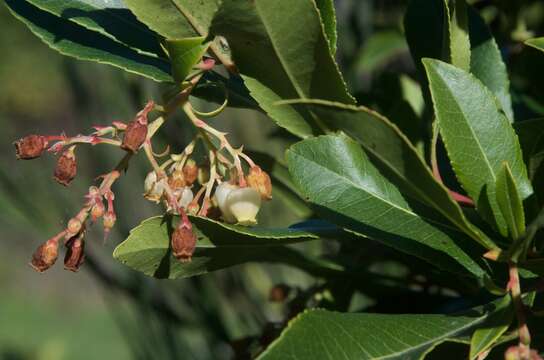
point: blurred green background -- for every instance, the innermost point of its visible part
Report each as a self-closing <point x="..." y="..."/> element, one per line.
<point x="108" y="311"/>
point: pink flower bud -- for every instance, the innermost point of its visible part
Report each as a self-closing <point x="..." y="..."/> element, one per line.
<point x="183" y="242"/>
<point x="66" y="168"/>
<point x="30" y="147"/>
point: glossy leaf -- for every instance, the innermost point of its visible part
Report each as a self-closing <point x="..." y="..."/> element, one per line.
<point x="73" y="40"/>
<point x="328" y="17"/>
<point x="393" y="154"/>
<point x="323" y="335"/>
<point x="147" y="249"/>
<point x="109" y="18"/>
<point x="184" y="55"/>
<point x="335" y="174"/>
<point x="493" y="328"/>
<point x="486" y="62"/>
<point x="510" y="202"/>
<point x="175" y="19"/>
<point x="286" y="68"/>
<point x="470" y="123"/>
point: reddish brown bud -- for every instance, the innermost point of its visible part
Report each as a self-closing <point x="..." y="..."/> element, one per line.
<point x="183" y="242"/>
<point x="66" y="168"/>
<point x="75" y="254"/>
<point x="30" y="147"/>
<point x="260" y="181"/>
<point x="46" y="254"/>
<point x="135" y="135"/>
<point x="279" y="293"/>
<point x="176" y="180"/>
<point x="190" y="172"/>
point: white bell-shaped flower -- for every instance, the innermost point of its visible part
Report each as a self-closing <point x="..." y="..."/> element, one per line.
<point x="221" y="193"/>
<point x="153" y="189"/>
<point x="244" y="205"/>
<point x="185" y="197"/>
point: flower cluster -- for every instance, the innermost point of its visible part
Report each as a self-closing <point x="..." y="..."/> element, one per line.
<point x="221" y="187"/>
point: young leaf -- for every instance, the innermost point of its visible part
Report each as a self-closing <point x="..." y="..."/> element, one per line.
<point x="336" y="175"/>
<point x="510" y="202"/>
<point x="184" y="54"/>
<point x="393" y="153"/>
<point x="323" y="335"/>
<point x="219" y="245"/>
<point x="109" y="18"/>
<point x="470" y="123"/>
<point x="486" y="62"/>
<point x="492" y="329"/>
<point x="287" y="67"/>
<point x="73" y="40"/>
<point x="175" y="19"/>
<point x="458" y="30"/>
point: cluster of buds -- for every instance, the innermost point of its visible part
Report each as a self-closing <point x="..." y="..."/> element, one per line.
<point x="33" y="146"/>
<point x="218" y="188"/>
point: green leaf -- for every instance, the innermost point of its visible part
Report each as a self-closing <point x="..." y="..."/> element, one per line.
<point x="458" y="30"/>
<point x="536" y="266"/>
<point x="470" y="123"/>
<point x="184" y="55"/>
<point x="219" y="245"/>
<point x="378" y="48"/>
<point x="175" y="19"/>
<point x="492" y="329"/>
<point x="109" y="18"/>
<point x="510" y="202"/>
<point x="319" y="334"/>
<point x="393" y="154"/>
<point x="328" y="17"/>
<point x="486" y="62"/>
<point x="537" y="43"/>
<point x="336" y="175"/>
<point x="287" y="67"/>
<point x="212" y="88"/>
<point x="73" y="40"/>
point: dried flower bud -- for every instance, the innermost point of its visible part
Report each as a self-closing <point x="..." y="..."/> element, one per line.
<point x="221" y="193"/>
<point x="176" y="180"/>
<point x="190" y="172"/>
<point x="135" y="135"/>
<point x="244" y="205"/>
<point x="279" y="293"/>
<point x="46" y="254"/>
<point x="66" y="168"/>
<point x="260" y="181"/>
<point x="75" y="254"/>
<point x="183" y="242"/>
<point x="154" y="189"/>
<point x="30" y="147"/>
